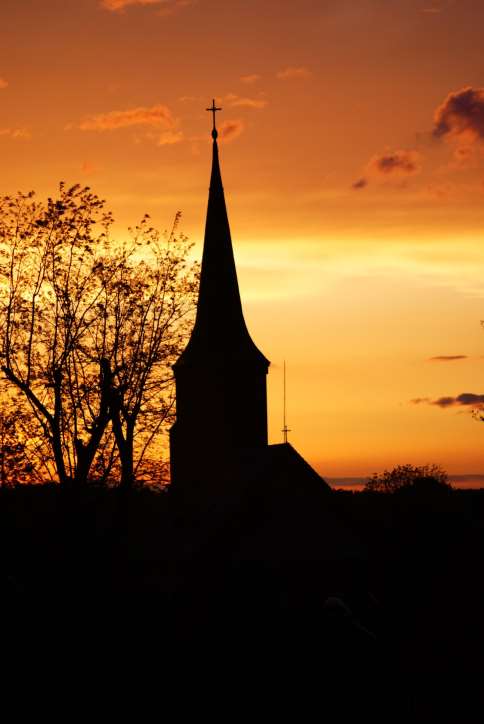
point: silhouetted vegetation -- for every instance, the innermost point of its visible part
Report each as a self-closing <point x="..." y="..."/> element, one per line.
<point x="15" y="465"/>
<point x="417" y="479"/>
<point x="90" y="327"/>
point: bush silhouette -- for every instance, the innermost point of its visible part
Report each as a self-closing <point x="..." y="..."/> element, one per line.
<point x="422" y="479"/>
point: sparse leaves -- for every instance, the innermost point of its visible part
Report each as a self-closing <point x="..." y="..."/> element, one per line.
<point x="90" y="328"/>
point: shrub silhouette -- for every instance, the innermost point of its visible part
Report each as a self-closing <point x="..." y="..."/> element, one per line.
<point x="422" y="479"/>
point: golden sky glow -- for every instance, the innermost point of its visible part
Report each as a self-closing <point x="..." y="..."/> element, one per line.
<point x="352" y="150"/>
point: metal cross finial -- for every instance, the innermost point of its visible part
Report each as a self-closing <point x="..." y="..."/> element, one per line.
<point x="213" y="109"/>
<point x="285" y="430"/>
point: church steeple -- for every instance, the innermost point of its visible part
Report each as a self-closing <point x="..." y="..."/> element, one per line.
<point x="221" y="375"/>
<point x="220" y="330"/>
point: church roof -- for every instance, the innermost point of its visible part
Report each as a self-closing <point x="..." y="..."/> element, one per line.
<point x="220" y="333"/>
<point x="291" y="511"/>
<point x="275" y="507"/>
<point x="282" y="465"/>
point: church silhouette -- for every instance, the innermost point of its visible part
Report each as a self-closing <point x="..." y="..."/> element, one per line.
<point x="219" y="438"/>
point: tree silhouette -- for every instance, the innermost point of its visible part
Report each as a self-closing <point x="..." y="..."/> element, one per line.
<point x="89" y="327"/>
<point x="145" y="315"/>
<point x="408" y="477"/>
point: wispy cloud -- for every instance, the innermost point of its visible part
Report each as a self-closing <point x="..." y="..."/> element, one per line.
<point x="447" y="358"/>
<point x="165" y="7"/>
<point x="250" y="79"/>
<point x="191" y="99"/>
<point x="395" y="163"/>
<point x="19" y="134"/>
<point x="119" y="5"/>
<point x="230" y="130"/>
<point x="3" y="83"/>
<point x="391" y="164"/>
<point x="237" y="101"/>
<point x="465" y="399"/>
<point x="171" y="7"/>
<point x="158" y="116"/>
<point x="293" y="73"/>
<point x="165" y="138"/>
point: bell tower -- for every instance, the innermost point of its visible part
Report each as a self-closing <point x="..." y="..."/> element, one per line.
<point x="221" y="400"/>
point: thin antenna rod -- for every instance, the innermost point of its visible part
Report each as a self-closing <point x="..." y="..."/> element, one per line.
<point x="285" y="428"/>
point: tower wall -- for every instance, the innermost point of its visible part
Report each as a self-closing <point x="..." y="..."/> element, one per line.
<point x="219" y="413"/>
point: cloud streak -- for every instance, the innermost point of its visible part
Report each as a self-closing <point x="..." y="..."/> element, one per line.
<point x="465" y="399"/>
<point x="250" y="79"/>
<point x="230" y="130"/>
<point x="119" y="5"/>
<point x="165" y="7"/>
<point x="169" y="138"/>
<point x="158" y="116"/>
<point x="18" y="134"/>
<point x="3" y="83"/>
<point x="236" y="101"/>
<point x="293" y="73"/>
<point x="395" y="163"/>
<point x="447" y="357"/>
<point x="165" y="138"/>
<point x="391" y="164"/>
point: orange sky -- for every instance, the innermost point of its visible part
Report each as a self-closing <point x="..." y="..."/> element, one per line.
<point x="353" y="162"/>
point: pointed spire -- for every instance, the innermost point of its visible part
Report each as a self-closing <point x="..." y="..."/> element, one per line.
<point x="220" y="331"/>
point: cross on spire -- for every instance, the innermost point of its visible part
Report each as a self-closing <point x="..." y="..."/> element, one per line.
<point x="213" y="109"/>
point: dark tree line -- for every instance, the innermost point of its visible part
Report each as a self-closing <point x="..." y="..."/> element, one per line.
<point x="90" y="326"/>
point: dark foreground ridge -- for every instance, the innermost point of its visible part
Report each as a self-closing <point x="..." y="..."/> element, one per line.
<point x="368" y="605"/>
